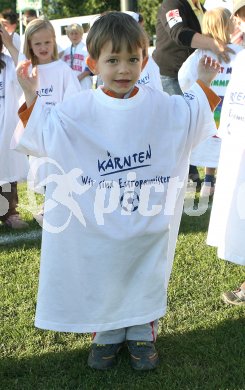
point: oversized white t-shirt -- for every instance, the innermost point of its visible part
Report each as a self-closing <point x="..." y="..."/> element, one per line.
<point x="207" y="153"/>
<point x="75" y="58"/>
<point x="227" y="223"/>
<point x="13" y="165"/>
<point x="105" y="260"/>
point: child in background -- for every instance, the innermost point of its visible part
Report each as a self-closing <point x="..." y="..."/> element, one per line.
<point x="218" y="25"/>
<point x="13" y="165"/>
<point x="9" y="19"/>
<point x="56" y="81"/>
<point x="238" y="36"/>
<point x="75" y="55"/>
<point x="227" y="222"/>
<point x="108" y="271"/>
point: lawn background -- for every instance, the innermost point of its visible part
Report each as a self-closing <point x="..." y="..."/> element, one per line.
<point x="201" y="340"/>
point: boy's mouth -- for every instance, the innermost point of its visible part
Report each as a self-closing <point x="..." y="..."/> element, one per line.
<point x="122" y="81"/>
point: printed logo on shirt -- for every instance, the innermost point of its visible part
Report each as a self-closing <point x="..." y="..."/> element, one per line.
<point x="237" y="98"/>
<point x="173" y="17"/>
<point x="2" y="90"/>
<point x="113" y="165"/>
<point x="144" y="80"/>
<point x="45" y="91"/>
<point x="189" y="96"/>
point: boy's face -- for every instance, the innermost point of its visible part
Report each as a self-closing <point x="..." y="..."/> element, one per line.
<point x="75" y="37"/>
<point x="119" y="71"/>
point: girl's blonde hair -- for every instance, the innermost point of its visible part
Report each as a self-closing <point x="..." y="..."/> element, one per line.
<point x="216" y="24"/>
<point x="74" y="27"/>
<point x="32" y="27"/>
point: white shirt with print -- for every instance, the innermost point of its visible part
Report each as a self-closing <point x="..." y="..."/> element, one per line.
<point x="120" y="165"/>
<point x="207" y="153"/>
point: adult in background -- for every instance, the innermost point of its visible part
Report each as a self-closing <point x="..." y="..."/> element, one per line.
<point x="29" y="14"/>
<point x="9" y="19"/>
<point x="178" y="34"/>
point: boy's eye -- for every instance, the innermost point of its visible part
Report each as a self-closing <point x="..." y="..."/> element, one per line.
<point x="134" y="60"/>
<point x="113" y="61"/>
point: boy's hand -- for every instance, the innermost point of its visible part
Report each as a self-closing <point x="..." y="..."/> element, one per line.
<point x="28" y="82"/>
<point x="222" y="51"/>
<point x="207" y="69"/>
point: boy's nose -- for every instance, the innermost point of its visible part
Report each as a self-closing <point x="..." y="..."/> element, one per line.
<point x="124" y="68"/>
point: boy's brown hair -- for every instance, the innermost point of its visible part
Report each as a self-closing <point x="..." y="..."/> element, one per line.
<point x="117" y="28"/>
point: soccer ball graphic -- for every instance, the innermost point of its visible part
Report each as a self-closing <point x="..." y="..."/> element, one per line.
<point x="129" y="201"/>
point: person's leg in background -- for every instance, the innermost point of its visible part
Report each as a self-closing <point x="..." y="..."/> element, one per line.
<point x="11" y="218"/>
<point x="209" y="182"/>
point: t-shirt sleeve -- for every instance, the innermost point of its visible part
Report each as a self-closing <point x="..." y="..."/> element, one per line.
<point x="188" y="73"/>
<point x="174" y="19"/>
<point x="201" y="100"/>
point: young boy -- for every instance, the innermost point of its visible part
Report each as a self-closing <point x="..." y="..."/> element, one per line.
<point x="75" y="55"/>
<point x="108" y="271"/>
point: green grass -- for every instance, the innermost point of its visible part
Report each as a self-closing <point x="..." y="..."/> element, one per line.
<point x="201" y="341"/>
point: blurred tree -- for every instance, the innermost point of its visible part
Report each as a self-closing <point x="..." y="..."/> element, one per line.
<point x="56" y="9"/>
<point x="149" y="9"/>
<point x="7" y="4"/>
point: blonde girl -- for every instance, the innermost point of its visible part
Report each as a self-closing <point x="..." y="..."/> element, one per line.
<point x="40" y="45"/>
<point x="56" y="81"/>
<point x="217" y="23"/>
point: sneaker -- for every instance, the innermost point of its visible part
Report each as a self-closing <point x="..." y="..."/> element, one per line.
<point x="103" y="356"/>
<point x="15" y="222"/>
<point x="206" y="190"/>
<point x="236" y="297"/>
<point x="143" y="355"/>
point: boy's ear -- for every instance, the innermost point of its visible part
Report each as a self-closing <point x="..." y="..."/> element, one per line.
<point x="145" y="60"/>
<point x="92" y="65"/>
